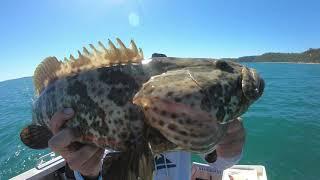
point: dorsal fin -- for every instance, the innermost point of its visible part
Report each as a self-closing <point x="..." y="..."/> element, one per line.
<point x="51" y="68"/>
<point x="45" y="73"/>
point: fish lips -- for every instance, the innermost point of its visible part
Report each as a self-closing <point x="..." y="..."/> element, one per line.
<point x="252" y="84"/>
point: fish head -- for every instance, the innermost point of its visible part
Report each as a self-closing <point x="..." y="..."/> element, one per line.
<point x="192" y="101"/>
<point x="225" y="88"/>
<point x="229" y="88"/>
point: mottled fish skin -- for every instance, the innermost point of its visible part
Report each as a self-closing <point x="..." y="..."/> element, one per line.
<point x="102" y="100"/>
<point x="190" y="104"/>
<point x="221" y="88"/>
<point x="106" y="116"/>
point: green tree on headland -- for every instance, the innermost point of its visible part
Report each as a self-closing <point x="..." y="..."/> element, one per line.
<point x="309" y="56"/>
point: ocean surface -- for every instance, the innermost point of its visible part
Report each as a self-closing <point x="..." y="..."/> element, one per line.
<point x="283" y="127"/>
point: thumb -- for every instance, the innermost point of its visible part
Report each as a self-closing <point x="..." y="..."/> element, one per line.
<point x="59" y="119"/>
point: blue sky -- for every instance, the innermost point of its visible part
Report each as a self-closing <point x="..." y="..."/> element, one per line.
<point x="32" y="30"/>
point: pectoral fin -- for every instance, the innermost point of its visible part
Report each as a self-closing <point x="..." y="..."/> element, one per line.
<point x="36" y="136"/>
<point x="190" y="129"/>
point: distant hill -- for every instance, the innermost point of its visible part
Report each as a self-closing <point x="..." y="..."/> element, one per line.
<point x="309" y="56"/>
<point x="17" y="79"/>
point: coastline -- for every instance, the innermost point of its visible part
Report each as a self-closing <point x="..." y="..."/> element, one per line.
<point x="278" y="62"/>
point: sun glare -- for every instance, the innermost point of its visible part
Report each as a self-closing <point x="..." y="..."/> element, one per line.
<point x="134" y="19"/>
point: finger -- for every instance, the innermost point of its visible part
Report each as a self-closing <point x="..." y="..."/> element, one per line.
<point x="233" y="137"/>
<point x="62" y="139"/>
<point x="92" y="167"/>
<point x="235" y="125"/>
<point x="69" y="150"/>
<point x="78" y="158"/>
<point x="232" y="147"/>
<point x="229" y="150"/>
<point x="59" y="119"/>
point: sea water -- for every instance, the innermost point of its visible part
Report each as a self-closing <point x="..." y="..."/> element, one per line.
<point x="283" y="127"/>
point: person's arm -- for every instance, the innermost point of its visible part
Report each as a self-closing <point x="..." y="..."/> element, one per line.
<point x="229" y="150"/>
<point x="85" y="160"/>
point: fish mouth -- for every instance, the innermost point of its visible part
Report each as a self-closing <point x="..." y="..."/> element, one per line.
<point x="252" y="84"/>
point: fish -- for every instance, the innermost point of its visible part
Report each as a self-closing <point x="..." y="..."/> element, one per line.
<point x="140" y="107"/>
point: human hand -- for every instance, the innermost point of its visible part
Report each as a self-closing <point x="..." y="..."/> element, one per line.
<point x="85" y="159"/>
<point x="232" y="143"/>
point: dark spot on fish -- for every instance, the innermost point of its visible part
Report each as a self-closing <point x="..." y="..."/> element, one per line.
<point x="170" y="93"/>
<point x="95" y="124"/>
<point x="163" y="113"/>
<point x="155" y="109"/>
<point x="183" y="133"/>
<point x="188" y="121"/>
<point x="135" y="114"/>
<point x="118" y="112"/>
<point x="177" y="99"/>
<point x="161" y="123"/>
<point x="220" y="114"/>
<point x="193" y="135"/>
<point x="123" y="135"/>
<point x="199" y="124"/>
<point x="94" y="89"/>
<point x="111" y="139"/>
<point x="100" y="92"/>
<point x="118" y="96"/>
<point x="110" y="112"/>
<point x="172" y="127"/>
<point x="173" y="115"/>
<point x="120" y="121"/>
<point x="176" y="138"/>
<point x="187" y="96"/>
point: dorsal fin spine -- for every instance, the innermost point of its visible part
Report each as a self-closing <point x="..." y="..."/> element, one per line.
<point x="102" y="46"/>
<point x="94" y="48"/>
<point x="72" y="58"/>
<point x="51" y="69"/>
<point x="85" y="51"/>
<point x="133" y="47"/>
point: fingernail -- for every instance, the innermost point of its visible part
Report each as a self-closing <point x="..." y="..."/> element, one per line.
<point x="68" y="111"/>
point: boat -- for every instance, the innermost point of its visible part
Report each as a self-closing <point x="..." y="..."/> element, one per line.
<point x="54" y="169"/>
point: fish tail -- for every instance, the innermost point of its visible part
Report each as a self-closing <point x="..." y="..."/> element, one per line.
<point x="135" y="164"/>
<point x="35" y="136"/>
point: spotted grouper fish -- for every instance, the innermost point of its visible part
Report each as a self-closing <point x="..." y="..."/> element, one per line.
<point x="140" y="108"/>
